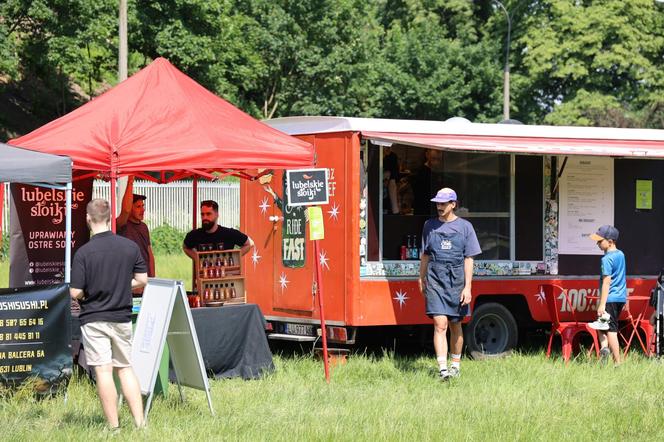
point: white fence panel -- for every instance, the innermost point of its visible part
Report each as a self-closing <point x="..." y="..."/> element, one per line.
<point x="169" y="203"/>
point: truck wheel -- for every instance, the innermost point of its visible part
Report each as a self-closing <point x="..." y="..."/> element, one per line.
<point x="491" y="330"/>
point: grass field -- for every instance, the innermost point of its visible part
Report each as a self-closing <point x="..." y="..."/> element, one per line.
<point x="521" y="397"/>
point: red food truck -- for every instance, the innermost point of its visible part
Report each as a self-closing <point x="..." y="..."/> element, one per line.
<point x="532" y="193"/>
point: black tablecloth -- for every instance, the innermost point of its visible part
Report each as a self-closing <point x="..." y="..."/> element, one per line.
<point x="232" y="341"/>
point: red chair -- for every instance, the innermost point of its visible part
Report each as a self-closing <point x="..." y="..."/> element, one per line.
<point x="636" y="323"/>
<point x="569" y="331"/>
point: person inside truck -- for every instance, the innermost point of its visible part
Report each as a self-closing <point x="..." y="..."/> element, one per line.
<point x="390" y="179"/>
<point x="613" y="292"/>
<point x="426" y="180"/>
<point x="449" y="244"/>
<point x="211" y="233"/>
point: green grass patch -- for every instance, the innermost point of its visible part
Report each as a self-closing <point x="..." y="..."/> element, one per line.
<point x="523" y="397"/>
<point x="176" y="266"/>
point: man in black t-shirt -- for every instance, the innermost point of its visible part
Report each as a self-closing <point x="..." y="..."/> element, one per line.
<point x="220" y="238"/>
<point x="104" y="272"/>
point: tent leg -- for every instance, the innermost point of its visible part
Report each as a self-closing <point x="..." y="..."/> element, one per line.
<point x="113" y="208"/>
<point x="195" y="203"/>
<point x="68" y="234"/>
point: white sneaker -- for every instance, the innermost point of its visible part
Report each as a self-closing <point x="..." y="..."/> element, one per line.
<point x="454" y="372"/>
<point x="602" y="322"/>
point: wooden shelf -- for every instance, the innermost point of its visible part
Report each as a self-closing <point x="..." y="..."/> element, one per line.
<point x="222" y="284"/>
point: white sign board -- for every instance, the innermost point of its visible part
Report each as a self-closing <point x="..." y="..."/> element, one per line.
<point x="165" y="317"/>
<point x="586" y="203"/>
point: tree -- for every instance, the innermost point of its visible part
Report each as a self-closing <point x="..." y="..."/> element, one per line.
<point x="576" y="58"/>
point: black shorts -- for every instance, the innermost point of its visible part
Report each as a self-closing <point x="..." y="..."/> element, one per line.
<point x="614" y="309"/>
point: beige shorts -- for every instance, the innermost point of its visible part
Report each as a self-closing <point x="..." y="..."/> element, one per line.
<point x="107" y="343"/>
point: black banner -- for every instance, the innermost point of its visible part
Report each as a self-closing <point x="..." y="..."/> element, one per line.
<point x="37" y="235"/>
<point x="35" y="337"/>
<point x="307" y="187"/>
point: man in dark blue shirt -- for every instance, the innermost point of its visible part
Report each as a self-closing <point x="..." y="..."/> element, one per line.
<point x="449" y="244"/>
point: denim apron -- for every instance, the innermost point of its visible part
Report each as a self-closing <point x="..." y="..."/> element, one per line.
<point x="445" y="277"/>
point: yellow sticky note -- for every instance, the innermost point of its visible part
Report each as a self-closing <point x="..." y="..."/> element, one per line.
<point x="644" y="194"/>
<point x="316" y="227"/>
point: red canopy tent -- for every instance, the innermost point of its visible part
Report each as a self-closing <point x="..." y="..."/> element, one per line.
<point x="161" y="120"/>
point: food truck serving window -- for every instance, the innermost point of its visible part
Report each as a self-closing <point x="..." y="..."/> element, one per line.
<point x="401" y="180"/>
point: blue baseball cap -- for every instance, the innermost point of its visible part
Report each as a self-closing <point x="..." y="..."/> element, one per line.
<point x="605" y="232"/>
<point x="445" y="195"/>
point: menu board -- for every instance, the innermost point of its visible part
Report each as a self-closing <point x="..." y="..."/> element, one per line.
<point x="35" y="337"/>
<point x="586" y="203"/>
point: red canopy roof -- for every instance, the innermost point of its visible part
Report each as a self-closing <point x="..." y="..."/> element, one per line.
<point x="159" y="119"/>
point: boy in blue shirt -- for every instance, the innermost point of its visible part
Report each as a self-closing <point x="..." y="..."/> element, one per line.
<point x="613" y="291"/>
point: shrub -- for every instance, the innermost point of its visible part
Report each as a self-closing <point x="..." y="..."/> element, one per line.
<point x="4" y="247"/>
<point x="166" y="240"/>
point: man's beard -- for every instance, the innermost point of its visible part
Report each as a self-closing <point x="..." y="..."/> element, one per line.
<point x="207" y="225"/>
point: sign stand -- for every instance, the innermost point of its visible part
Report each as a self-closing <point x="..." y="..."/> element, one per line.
<point x="309" y="187"/>
<point x="319" y="286"/>
<point x="165" y="317"/>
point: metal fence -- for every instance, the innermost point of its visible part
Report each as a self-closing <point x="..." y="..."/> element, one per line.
<point x="169" y="203"/>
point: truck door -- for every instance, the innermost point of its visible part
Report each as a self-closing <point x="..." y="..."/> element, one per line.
<point x="292" y="254"/>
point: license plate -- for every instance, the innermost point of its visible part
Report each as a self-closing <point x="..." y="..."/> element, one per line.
<point x="300" y="329"/>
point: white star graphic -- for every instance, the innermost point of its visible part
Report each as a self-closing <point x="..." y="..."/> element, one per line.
<point x="541" y="298"/>
<point x="264" y="205"/>
<point x="255" y="257"/>
<point x="324" y="259"/>
<point x="401" y="298"/>
<point x="283" y="282"/>
<point x="334" y="212"/>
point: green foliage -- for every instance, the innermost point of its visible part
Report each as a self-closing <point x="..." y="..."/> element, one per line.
<point x="572" y="62"/>
<point x="4" y="247"/>
<point x="572" y="54"/>
<point x="166" y="240"/>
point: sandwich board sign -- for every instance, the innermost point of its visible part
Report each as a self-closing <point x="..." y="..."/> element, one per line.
<point x="307" y="187"/>
<point x="165" y="317"/>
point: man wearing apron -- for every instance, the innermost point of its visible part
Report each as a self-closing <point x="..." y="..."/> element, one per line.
<point x="449" y="244"/>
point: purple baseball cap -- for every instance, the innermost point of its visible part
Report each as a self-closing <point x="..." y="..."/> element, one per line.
<point x="445" y="195"/>
<point x="605" y="232"/>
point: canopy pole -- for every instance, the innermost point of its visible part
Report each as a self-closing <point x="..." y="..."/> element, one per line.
<point x="194" y="217"/>
<point x="113" y="208"/>
<point x="68" y="192"/>
<point x="195" y="203"/>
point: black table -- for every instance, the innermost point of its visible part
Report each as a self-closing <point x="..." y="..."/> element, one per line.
<point x="232" y="341"/>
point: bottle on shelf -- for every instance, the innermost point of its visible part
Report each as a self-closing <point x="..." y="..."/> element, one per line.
<point x="217" y="268"/>
<point x="233" y="292"/>
<point x="231" y="262"/>
<point x="206" y="294"/>
<point x="217" y="293"/>
<point x="403" y="251"/>
<point x="416" y="248"/>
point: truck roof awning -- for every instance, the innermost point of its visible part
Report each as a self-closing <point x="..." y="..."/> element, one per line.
<point x="525" y="145"/>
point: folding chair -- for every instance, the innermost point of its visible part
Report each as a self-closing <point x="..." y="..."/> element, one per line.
<point x="569" y="331"/>
<point x="635" y="324"/>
